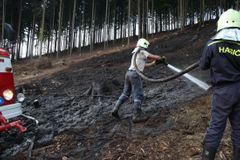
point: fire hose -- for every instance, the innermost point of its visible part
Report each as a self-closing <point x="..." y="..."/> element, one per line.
<point x="174" y="76"/>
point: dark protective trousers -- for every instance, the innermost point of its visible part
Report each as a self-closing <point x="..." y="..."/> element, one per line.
<point x="132" y="84"/>
<point x="225" y="105"/>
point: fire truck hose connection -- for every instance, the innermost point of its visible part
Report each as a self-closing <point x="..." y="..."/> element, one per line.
<point x="31" y="118"/>
<point x="165" y="79"/>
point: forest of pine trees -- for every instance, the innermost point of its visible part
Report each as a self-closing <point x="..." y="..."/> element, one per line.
<point x="53" y="26"/>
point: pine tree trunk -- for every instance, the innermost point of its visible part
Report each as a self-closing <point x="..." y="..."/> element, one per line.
<point x="28" y="42"/>
<point x="81" y="22"/>
<point x="59" y="28"/>
<point x="192" y="13"/>
<point x="181" y="14"/>
<point x="3" y="20"/>
<point x="105" y="37"/>
<point x="42" y="27"/>
<point x="237" y="5"/>
<point x="121" y="27"/>
<point x="48" y="44"/>
<point x="129" y="25"/>
<point x="115" y="23"/>
<point x="52" y="26"/>
<point x="92" y="32"/>
<point x="134" y="23"/>
<point x="156" y="23"/>
<point x="143" y="19"/>
<point x="152" y="19"/>
<point x="69" y="30"/>
<point x="84" y="34"/>
<point x="55" y="41"/>
<point x="202" y="6"/>
<point x="146" y="17"/>
<point x="139" y="20"/>
<point x="72" y="28"/>
<point x="19" y="30"/>
<point x="161" y="22"/>
<point x="108" y="22"/>
<point x="32" y="37"/>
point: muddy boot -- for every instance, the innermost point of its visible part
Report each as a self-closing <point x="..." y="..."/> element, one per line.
<point x="236" y="153"/>
<point x="208" y="153"/>
<point x="116" y="108"/>
<point x="138" y="115"/>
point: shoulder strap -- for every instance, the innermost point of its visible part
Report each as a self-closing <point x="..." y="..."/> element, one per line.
<point x="221" y="41"/>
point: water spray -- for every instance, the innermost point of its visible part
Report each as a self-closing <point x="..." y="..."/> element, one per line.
<point x="193" y="79"/>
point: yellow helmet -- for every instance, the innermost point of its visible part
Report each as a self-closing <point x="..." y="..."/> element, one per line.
<point x="143" y="43"/>
<point x="229" y="19"/>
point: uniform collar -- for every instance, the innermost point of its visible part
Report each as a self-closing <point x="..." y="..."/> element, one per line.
<point x="232" y="34"/>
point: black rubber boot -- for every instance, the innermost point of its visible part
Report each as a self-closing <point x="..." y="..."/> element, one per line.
<point x="236" y="153"/>
<point x="138" y="115"/>
<point x="116" y="108"/>
<point x="208" y="153"/>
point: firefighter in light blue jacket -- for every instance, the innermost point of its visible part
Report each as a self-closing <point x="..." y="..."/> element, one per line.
<point x="133" y="83"/>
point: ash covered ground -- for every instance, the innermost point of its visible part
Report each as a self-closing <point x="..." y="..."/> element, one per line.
<point x="75" y="104"/>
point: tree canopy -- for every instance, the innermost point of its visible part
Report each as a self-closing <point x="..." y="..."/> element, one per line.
<point x="52" y="26"/>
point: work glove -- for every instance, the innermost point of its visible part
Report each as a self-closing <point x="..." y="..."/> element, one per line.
<point x="162" y="60"/>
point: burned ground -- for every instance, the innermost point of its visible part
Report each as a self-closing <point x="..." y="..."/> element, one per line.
<point x="75" y="104"/>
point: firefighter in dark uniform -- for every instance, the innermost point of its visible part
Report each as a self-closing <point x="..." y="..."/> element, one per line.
<point x="222" y="56"/>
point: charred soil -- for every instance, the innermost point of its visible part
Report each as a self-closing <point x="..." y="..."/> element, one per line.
<point x="75" y="104"/>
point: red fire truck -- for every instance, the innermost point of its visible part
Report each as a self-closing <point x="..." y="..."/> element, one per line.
<point x="10" y="102"/>
<point x="9" y="107"/>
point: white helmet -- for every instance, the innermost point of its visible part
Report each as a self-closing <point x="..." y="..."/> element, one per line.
<point x="143" y="43"/>
<point x="229" y="19"/>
